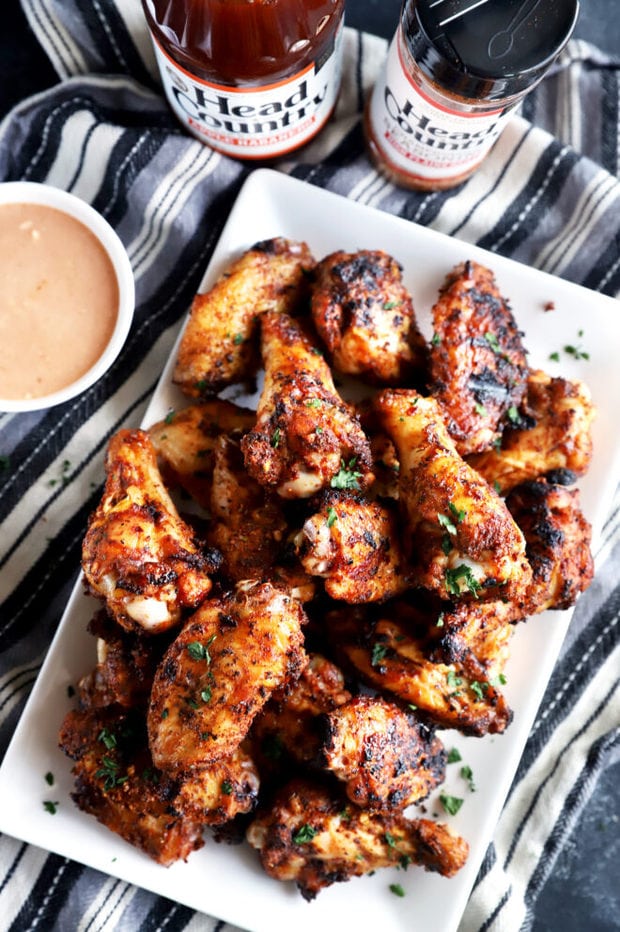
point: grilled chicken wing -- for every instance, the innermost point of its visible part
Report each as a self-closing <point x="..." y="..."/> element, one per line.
<point x="219" y="673"/>
<point x="391" y="655"/>
<point x="475" y="635"/>
<point x="312" y="837"/>
<point x="218" y="346"/>
<point x="185" y="443"/>
<point x="557" y="543"/>
<point x="555" y="440"/>
<point x="118" y="784"/>
<point x="461" y="536"/>
<point x="126" y="664"/>
<point x="288" y="725"/>
<point x="138" y="555"/>
<point x="354" y="545"/>
<point x="385" y="757"/>
<point x="306" y="437"/>
<point x="364" y="315"/>
<point x="214" y="795"/>
<point x="477" y="362"/>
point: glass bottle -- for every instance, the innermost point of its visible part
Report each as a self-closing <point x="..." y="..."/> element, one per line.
<point x="455" y="71"/>
<point x="254" y="79"/>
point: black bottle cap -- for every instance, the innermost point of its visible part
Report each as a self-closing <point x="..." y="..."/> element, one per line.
<point x="487" y="49"/>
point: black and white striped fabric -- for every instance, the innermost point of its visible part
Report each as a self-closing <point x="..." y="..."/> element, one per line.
<point x="548" y="196"/>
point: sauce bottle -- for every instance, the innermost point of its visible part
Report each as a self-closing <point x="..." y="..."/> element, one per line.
<point x="254" y="79"/>
<point x="455" y="71"/>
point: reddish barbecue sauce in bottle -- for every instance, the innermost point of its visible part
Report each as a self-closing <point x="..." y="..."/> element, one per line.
<point x="455" y="71"/>
<point x="253" y="79"/>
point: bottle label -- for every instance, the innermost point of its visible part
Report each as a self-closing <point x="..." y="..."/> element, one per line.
<point x="254" y="122"/>
<point x="420" y="137"/>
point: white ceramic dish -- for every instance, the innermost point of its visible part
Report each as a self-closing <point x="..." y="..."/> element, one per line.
<point x="28" y="192"/>
<point x="228" y="882"/>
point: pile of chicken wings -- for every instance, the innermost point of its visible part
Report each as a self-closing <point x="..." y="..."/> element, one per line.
<point x="296" y="600"/>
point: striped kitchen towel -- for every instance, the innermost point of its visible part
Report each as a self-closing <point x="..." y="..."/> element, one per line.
<point x="548" y="196"/>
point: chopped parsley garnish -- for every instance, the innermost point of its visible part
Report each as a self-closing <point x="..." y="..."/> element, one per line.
<point x="453" y="681"/>
<point x="227" y="787"/>
<point x="499" y="680"/>
<point x="347" y="476"/>
<point x="304" y="834"/>
<point x="468" y="775"/>
<point x="447" y="523"/>
<point x="332" y="516"/>
<point x="49" y="778"/>
<point x="554" y="357"/>
<point x="396" y="889"/>
<point x="446" y="544"/>
<point x="238" y="339"/>
<point x="390" y="840"/>
<point x="457" y="513"/>
<point x="461" y="572"/>
<point x="413" y="707"/>
<point x="50" y="807"/>
<point x="275" y="438"/>
<point x="205" y="695"/>
<point x="390" y="305"/>
<point x="513" y="415"/>
<point x="451" y="804"/>
<point x="378" y="653"/>
<point x="108" y="772"/>
<point x="493" y="343"/>
<point x="440" y="621"/>
<point x="478" y="688"/>
<point x="454" y="756"/>
<point x="107" y="738"/>
<point x="164" y="714"/>
<point x="169" y="418"/>
<point x="480" y="409"/>
<point x="436" y="339"/>
<point x="576" y="352"/>
<point x="199" y="651"/>
<point x="313" y="403"/>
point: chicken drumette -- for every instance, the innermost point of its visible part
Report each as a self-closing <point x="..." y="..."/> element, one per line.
<point x="477" y="361"/>
<point x="218" y="345"/>
<point x="306" y="438"/>
<point x="354" y="545"/>
<point x="138" y="555"/>
<point x="364" y="315"/>
<point x="311" y="836"/>
<point x="459" y="533"/>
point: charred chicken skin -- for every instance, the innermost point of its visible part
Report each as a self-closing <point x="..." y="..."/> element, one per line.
<point x="185" y="443"/>
<point x="306" y="438"/>
<point x="117" y="783"/>
<point x="364" y="316"/>
<point x="477" y="361"/>
<point x="558" y="543"/>
<point x="461" y="537"/>
<point x="138" y="555"/>
<point x="218" y="346"/>
<point x="312" y="837"/>
<point x="353" y="544"/>
<point x="384" y="756"/>
<point x="219" y="673"/>
<point x="392" y="652"/>
<point x="554" y="438"/>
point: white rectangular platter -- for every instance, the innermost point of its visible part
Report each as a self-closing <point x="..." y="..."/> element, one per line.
<point x="228" y="882"/>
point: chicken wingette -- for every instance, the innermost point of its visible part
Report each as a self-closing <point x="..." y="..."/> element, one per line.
<point x="384" y="756"/>
<point x="353" y="544"/>
<point x="216" y="794"/>
<point x="554" y="438"/>
<point x="460" y="537"/>
<point x="218" y="346"/>
<point x="185" y="443"/>
<point x="116" y="781"/>
<point x="557" y="539"/>
<point x="310" y="835"/>
<point x="219" y="673"/>
<point x="477" y="361"/>
<point x="138" y="555"/>
<point x="395" y="656"/>
<point x="364" y="316"/>
<point x="306" y="438"/>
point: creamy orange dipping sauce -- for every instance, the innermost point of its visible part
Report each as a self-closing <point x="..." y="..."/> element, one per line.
<point x="58" y="300"/>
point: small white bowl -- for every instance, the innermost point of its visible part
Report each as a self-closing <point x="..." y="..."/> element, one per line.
<point x="28" y="192"/>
